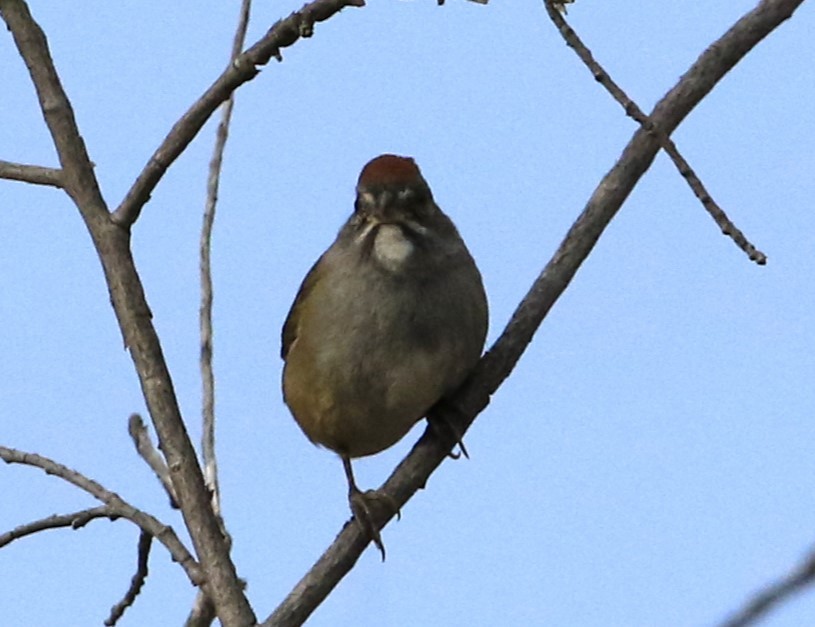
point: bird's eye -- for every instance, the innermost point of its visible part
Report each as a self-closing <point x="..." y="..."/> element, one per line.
<point x="405" y="194"/>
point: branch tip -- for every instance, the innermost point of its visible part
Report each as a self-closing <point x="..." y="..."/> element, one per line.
<point x="136" y="582"/>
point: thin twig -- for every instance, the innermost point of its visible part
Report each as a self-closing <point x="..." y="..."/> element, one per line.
<point x="282" y="34"/>
<point x="203" y="611"/>
<point x="116" y="506"/>
<point x="137" y="581"/>
<point x="75" y="520"/>
<point x="413" y="472"/>
<point x="633" y="111"/>
<point x="37" y="174"/>
<point x="773" y="594"/>
<point x="145" y="449"/>
<point x="205" y="311"/>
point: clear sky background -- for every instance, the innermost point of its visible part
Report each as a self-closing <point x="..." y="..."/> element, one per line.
<point x="649" y="462"/>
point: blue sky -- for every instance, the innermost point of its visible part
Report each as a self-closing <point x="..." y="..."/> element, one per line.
<point x="649" y="462"/>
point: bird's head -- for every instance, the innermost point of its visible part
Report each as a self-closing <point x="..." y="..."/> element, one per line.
<point x="392" y="190"/>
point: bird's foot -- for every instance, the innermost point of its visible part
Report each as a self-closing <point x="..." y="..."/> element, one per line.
<point x="445" y="429"/>
<point x="364" y="505"/>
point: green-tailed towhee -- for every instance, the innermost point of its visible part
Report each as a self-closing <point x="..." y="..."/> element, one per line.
<point x="391" y="319"/>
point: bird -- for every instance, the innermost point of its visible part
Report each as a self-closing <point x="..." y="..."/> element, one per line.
<point x="389" y="321"/>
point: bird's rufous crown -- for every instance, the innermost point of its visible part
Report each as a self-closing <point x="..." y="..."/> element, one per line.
<point x="389" y="170"/>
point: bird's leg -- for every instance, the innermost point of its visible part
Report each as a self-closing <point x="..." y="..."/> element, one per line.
<point x="445" y="429"/>
<point x="360" y="503"/>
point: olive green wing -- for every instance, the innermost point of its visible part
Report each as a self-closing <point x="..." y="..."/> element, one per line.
<point x="292" y="325"/>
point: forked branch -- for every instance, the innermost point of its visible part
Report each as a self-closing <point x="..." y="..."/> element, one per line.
<point x="116" y="507"/>
<point x="282" y="34"/>
<point x="112" y="243"/>
<point x="632" y="110"/>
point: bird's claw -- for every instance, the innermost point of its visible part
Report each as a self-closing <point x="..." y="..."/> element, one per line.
<point x="361" y="506"/>
<point x="447" y="431"/>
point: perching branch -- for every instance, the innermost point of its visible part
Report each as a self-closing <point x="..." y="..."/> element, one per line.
<point x="413" y="472"/>
<point x="282" y="34"/>
<point x="36" y="174"/>
<point x="116" y="506"/>
<point x="136" y="583"/>
<point x="554" y="9"/>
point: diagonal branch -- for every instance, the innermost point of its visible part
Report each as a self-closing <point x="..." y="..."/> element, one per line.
<point x="136" y="582"/>
<point x="146" y="450"/>
<point x="36" y="174"/>
<point x="282" y="34"/>
<point x="413" y="472"/>
<point x="775" y="593"/>
<point x="668" y="145"/>
<point x="74" y="520"/>
<point x="116" y="506"/>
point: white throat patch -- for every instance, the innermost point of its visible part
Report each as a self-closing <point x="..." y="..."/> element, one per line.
<point x="391" y="247"/>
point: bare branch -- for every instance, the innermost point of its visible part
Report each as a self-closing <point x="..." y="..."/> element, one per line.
<point x="205" y="311"/>
<point x="136" y="583"/>
<point x="202" y="613"/>
<point x="554" y="9"/>
<point x="144" y="447"/>
<point x="112" y="243"/>
<point x="282" y="34"/>
<point x="116" y="506"/>
<point x="36" y="174"/>
<point x="775" y="593"/>
<point x="75" y="520"/>
<point x="413" y="472"/>
<point x="77" y="177"/>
